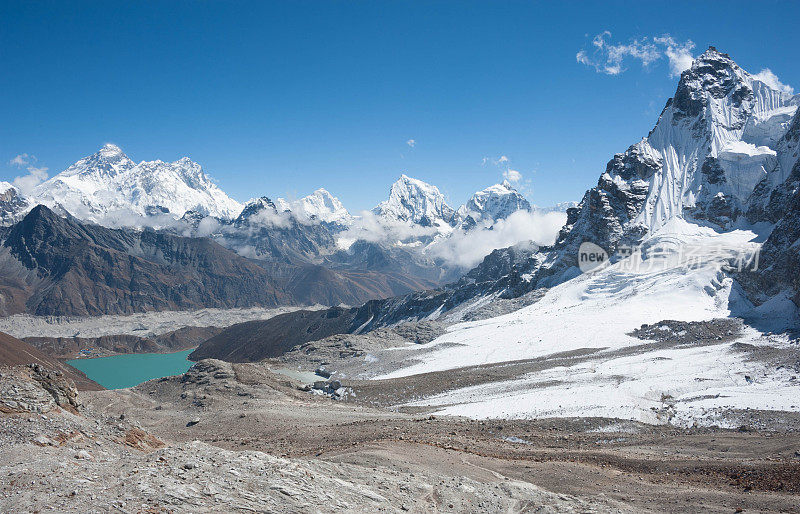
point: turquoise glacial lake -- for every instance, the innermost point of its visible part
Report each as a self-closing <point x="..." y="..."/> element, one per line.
<point x="120" y="371"/>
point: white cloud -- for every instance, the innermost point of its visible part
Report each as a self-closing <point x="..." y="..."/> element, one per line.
<point x="376" y="229"/>
<point x="767" y="77"/>
<point x="463" y="249"/>
<point x="610" y="58"/>
<point x="412" y="143"/>
<point x="500" y="161"/>
<point x="467" y="249"/>
<point x="35" y="176"/>
<point x="270" y="218"/>
<point x="125" y="217"/>
<point x="21" y="160"/>
<point x="504" y="164"/>
<point x="512" y="175"/>
<point x="679" y="54"/>
<point x="25" y="183"/>
<point x="207" y="226"/>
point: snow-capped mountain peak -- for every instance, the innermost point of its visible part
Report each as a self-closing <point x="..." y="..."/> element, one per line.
<point x="109" y="160"/>
<point x="319" y="205"/>
<point x="494" y="203"/>
<point x="112" y="151"/>
<point x="259" y="209"/>
<point x="108" y="187"/>
<point x="414" y="201"/>
<point x="713" y="143"/>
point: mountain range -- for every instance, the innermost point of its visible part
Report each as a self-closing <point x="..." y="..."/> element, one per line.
<point x="688" y="315"/>
<point x="722" y="155"/>
<point x="719" y="172"/>
<point x="108" y="235"/>
<point x="110" y="189"/>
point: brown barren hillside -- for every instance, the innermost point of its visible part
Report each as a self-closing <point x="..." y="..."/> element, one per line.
<point x="14" y="352"/>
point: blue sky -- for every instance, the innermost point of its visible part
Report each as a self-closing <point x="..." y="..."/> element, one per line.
<point x="279" y="98"/>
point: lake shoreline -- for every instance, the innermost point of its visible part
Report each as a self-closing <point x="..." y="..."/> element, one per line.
<point x="131" y="369"/>
<point x="119" y="354"/>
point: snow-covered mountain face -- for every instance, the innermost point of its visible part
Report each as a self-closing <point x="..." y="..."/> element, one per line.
<point x="716" y="147"/>
<point x="714" y="142"/>
<point x="109" y="188"/>
<point x="718" y="172"/>
<point x="416" y="216"/>
<point x="776" y="276"/>
<point x="771" y="197"/>
<point x="12" y="204"/>
<point x="723" y="156"/>
<point x="414" y="201"/>
<point x="262" y="211"/>
<point x="418" y="203"/>
<point x="318" y="206"/>
<point x="265" y="231"/>
<point x="559" y="207"/>
<point x="494" y="203"/>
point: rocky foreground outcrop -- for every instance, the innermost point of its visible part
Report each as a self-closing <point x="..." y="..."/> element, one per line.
<point x="53" y="459"/>
<point x="35" y="389"/>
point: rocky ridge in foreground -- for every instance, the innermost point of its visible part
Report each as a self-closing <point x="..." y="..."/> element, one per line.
<point x="241" y="438"/>
<point x="92" y="462"/>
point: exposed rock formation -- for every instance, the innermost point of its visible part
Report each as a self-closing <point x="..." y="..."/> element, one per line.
<point x="33" y="388"/>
